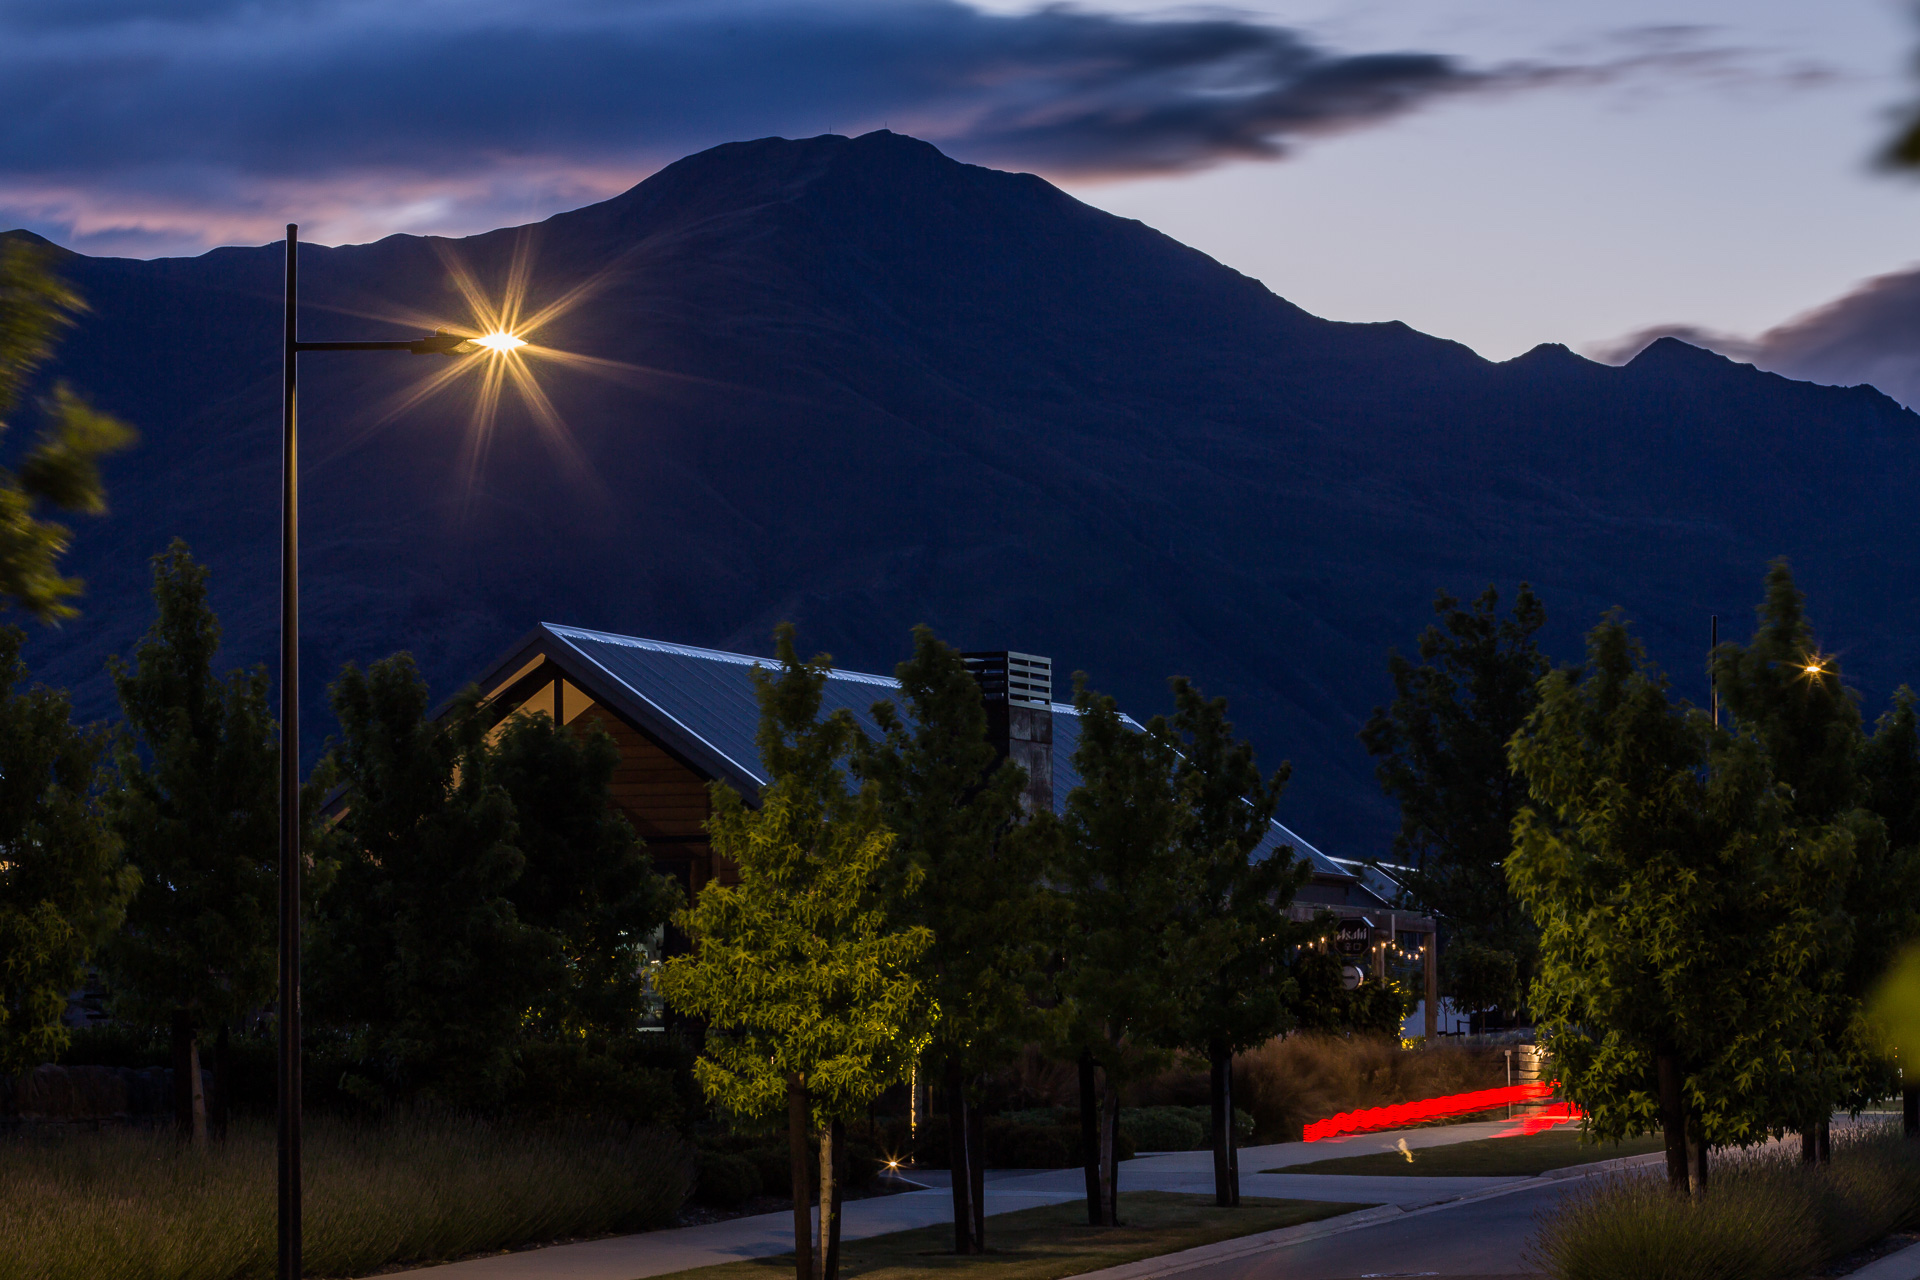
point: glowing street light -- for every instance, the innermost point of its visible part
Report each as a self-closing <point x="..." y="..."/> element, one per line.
<point x="441" y="342"/>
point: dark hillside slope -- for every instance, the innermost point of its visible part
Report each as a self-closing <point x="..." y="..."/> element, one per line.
<point x="858" y="385"/>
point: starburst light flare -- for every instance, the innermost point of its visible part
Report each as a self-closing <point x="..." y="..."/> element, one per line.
<point x="497" y="361"/>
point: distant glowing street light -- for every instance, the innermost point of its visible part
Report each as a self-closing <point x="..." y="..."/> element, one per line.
<point x="441" y="342"/>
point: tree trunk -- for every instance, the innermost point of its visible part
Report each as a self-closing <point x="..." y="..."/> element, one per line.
<point x="977" y="1157"/>
<point x="1090" y="1138"/>
<point x="217" y="1106"/>
<point x="1696" y="1157"/>
<point x="181" y="1044"/>
<point x="1910" y="1108"/>
<point x="1226" y="1163"/>
<point x="1673" y="1117"/>
<point x="1823" y="1142"/>
<point x="1233" y="1136"/>
<point x="802" y="1177"/>
<point x="960" y="1161"/>
<point x="832" y="1140"/>
<point x="1809" y="1146"/>
<point x="1110" y="1154"/>
<point x="199" y="1093"/>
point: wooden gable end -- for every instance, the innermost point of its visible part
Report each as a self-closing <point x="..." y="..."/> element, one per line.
<point x="662" y="795"/>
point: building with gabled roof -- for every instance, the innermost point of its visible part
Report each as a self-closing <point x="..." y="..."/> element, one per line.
<point x="684" y="717"/>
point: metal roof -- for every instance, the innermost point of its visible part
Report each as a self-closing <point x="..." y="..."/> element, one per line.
<point x="702" y="705"/>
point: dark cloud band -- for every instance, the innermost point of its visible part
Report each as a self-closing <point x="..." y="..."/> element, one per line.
<point x="206" y="120"/>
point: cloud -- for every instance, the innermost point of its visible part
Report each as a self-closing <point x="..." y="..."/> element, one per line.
<point x="1621" y="350"/>
<point x="1870" y="335"/>
<point x="145" y="123"/>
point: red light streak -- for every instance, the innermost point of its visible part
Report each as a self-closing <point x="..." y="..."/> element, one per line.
<point x="1402" y="1113"/>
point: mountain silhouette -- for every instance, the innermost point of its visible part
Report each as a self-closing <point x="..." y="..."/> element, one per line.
<point x="858" y="385"/>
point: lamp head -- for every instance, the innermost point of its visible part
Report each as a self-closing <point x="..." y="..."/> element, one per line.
<point x="443" y="343"/>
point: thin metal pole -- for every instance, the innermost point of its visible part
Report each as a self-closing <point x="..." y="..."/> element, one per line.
<point x="1713" y="676"/>
<point x="289" y="1140"/>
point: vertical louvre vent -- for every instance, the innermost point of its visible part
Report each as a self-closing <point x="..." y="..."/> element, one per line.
<point x="1020" y="679"/>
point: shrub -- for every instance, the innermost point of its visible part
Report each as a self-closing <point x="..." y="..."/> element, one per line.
<point x="593" y="1079"/>
<point x="135" y="1203"/>
<point x="1163" y="1129"/>
<point x="1030" y="1146"/>
<point x="1309" y="1075"/>
<point x="861" y="1164"/>
<point x="1009" y="1145"/>
<point x="775" y="1167"/>
<point x="726" y="1181"/>
<point x="1044" y="1117"/>
<point x="1764" y="1216"/>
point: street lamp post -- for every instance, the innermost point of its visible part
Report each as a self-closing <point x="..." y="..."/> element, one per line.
<point x="441" y="343"/>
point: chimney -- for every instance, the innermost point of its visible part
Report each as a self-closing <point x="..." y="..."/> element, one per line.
<point x="1018" y="689"/>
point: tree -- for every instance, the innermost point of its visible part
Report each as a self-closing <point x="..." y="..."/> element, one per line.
<point x="1890" y="771"/>
<point x="1678" y="959"/>
<point x="1789" y="697"/>
<point x="954" y="808"/>
<point x="64" y="886"/>
<point x="1321" y="1000"/>
<point x="417" y="951"/>
<point x="1239" y="995"/>
<point x="586" y="881"/>
<point x="61" y="470"/>
<point x="1441" y="749"/>
<point x="1124" y="949"/>
<point x="806" y="982"/>
<point x="195" y="805"/>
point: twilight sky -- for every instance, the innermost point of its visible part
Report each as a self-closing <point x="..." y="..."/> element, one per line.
<point x="1501" y="172"/>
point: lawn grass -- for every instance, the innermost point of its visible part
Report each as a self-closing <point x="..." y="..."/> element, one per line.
<point x="1048" y="1242"/>
<point x="1516" y="1156"/>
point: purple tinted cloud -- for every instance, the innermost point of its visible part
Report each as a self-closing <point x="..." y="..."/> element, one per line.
<point x="1870" y="334"/>
<point x="146" y="125"/>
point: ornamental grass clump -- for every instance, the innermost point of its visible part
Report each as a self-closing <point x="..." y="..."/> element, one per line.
<point x="1308" y="1076"/>
<point x="138" y="1205"/>
<point x="1763" y="1216"/>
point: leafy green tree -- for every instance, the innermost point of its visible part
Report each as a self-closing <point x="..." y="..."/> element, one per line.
<point x="195" y="806"/>
<point x="806" y="982"/>
<point x="1441" y="750"/>
<point x="1125" y="949"/>
<point x="587" y="880"/>
<point x="61" y="470"/>
<point x="1321" y="1000"/>
<point x="1679" y="958"/>
<point x="64" y="885"/>
<point x="1890" y="771"/>
<point x="1890" y="789"/>
<point x="417" y="952"/>
<point x="1239" y="994"/>
<point x="1479" y="977"/>
<point x="1788" y="696"/>
<point x="954" y="807"/>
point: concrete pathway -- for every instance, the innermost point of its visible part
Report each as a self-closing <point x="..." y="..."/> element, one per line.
<point x="1904" y="1265"/>
<point x="654" y="1253"/>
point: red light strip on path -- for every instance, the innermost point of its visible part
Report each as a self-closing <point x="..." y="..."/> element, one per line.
<point x="1400" y="1113"/>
